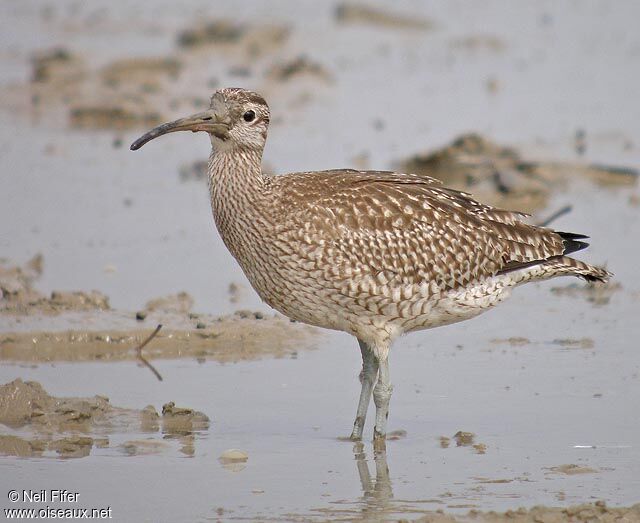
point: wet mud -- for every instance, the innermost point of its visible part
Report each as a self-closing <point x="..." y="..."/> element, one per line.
<point x="300" y="66"/>
<point x="244" y="335"/>
<point x="48" y="426"/>
<point x="365" y="14"/>
<point x="544" y="389"/>
<point x="142" y="91"/>
<point x="379" y="504"/>
<point x="499" y="176"/>
<point x="223" y="339"/>
<point x="592" y="512"/>
<point x="597" y="512"/>
<point x="19" y="296"/>
<point x="598" y="295"/>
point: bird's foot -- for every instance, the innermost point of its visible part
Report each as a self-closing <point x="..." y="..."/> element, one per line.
<point x="358" y="426"/>
<point x="379" y="441"/>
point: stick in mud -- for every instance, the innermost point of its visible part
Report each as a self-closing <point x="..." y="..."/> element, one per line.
<point x="142" y="358"/>
<point x="561" y="212"/>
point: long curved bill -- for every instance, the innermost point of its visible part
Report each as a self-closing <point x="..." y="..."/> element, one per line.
<point x="204" y="121"/>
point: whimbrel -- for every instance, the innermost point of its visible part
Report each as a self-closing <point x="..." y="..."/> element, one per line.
<point x="376" y="254"/>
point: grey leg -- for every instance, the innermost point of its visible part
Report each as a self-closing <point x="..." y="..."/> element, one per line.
<point x="376" y="494"/>
<point x="383" y="491"/>
<point x="363" y="469"/>
<point x="381" y="397"/>
<point x="367" y="379"/>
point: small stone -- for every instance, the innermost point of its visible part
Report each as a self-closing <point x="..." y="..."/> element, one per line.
<point x="480" y="448"/>
<point x="233" y="456"/>
<point x="464" y="439"/>
<point x="141" y="315"/>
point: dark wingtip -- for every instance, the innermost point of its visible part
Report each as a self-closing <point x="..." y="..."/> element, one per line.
<point x="571" y="242"/>
<point x="572" y="236"/>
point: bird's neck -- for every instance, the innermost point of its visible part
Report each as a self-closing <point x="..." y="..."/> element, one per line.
<point x="237" y="189"/>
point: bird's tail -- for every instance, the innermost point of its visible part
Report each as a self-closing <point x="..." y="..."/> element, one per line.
<point x="567" y="266"/>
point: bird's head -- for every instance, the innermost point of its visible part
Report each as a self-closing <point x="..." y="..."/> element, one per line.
<point x="236" y="118"/>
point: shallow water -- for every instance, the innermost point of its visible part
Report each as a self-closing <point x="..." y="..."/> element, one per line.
<point x="535" y="407"/>
<point x="124" y="223"/>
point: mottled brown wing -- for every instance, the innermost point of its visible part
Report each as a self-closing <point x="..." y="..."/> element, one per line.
<point x="404" y="227"/>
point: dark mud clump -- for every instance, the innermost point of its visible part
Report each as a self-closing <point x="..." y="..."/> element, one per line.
<point x="350" y="13"/>
<point x="498" y="175"/>
<point x="123" y="94"/>
<point x="18" y="296"/>
<point x="514" y="341"/>
<point x="181" y="420"/>
<point x="67" y="427"/>
<point x="571" y="470"/>
<point x="464" y="439"/>
<point x="480" y="448"/>
<point x="23" y="403"/>
<point x="577" y="343"/>
<point x="125" y="85"/>
<point x="16" y="283"/>
<point x="299" y="67"/>
<point x="598" y="294"/>
<point x="253" y="41"/>
<point x="45" y="425"/>
<point x="78" y="301"/>
<point x="214" y="32"/>
<point x="236" y="292"/>
<point x="112" y="117"/>
<point x="141" y="70"/>
<point x="491" y="172"/>
<point x="141" y="91"/>
<point x="56" y="64"/>
<point x="182" y="424"/>
<point x="180" y="303"/>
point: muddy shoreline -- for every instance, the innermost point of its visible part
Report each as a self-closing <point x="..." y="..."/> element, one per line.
<point x="227" y="340"/>
<point x="46" y="426"/>
<point x="525" y="106"/>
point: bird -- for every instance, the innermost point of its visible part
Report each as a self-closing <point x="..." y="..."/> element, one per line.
<point x="376" y="254"/>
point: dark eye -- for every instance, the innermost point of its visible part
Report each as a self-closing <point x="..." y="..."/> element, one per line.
<point x="249" y="116"/>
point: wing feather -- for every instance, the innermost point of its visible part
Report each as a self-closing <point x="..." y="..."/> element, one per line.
<point x="391" y="225"/>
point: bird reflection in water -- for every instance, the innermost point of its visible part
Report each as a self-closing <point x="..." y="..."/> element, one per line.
<point x="376" y="493"/>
